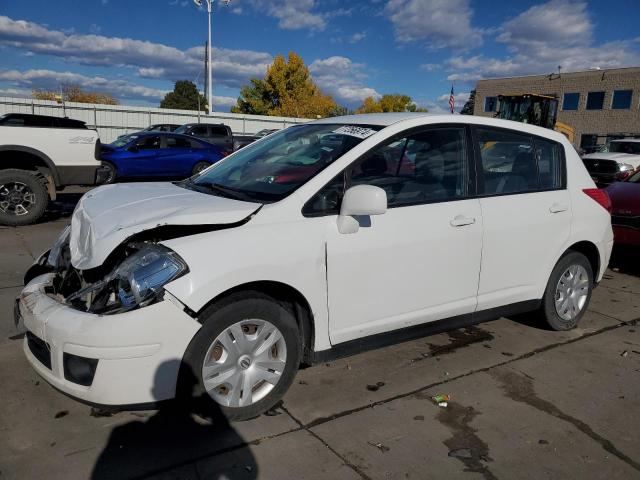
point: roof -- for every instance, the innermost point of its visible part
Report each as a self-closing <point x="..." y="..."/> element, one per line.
<point x="382" y="119"/>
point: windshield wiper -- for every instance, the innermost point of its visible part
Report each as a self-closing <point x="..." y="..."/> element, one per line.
<point x="229" y="192"/>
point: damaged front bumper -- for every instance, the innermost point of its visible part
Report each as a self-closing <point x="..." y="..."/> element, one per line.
<point x="120" y="359"/>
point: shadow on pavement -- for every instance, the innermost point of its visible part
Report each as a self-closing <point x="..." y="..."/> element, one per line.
<point x="62" y="207"/>
<point x="626" y="260"/>
<point x="174" y="437"/>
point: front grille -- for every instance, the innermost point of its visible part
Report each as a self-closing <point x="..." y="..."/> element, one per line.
<point x="625" y="221"/>
<point x="595" y="165"/>
<point x="39" y="349"/>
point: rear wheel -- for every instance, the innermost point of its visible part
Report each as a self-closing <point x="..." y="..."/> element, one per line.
<point x="200" y="166"/>
<point x="23" y="197"/>
<point x="244" y="357"/>
<point x="111" y="174"/>
<point x="568" y="292"/>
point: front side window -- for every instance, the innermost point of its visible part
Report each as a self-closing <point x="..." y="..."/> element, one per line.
<point x="595" y="100"/>
<point x="490" y="104"/>
<point x="425" y="167"/>
<point x="148" y="143"/>
<point x="218" y="131"/>
<point x="514" y="162"/>
<point x="199" y="131"/>
<point x="570" y="101"/>
<point x="621" y="99"/>
<point x="270" y="170"/>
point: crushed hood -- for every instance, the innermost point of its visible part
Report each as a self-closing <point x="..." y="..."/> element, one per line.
<point x="108" y="215"/>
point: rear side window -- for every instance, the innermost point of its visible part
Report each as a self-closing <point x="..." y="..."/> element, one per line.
<point x="176" y="142"/>
<point x="218" y="131"/>
<point x="514" y="162"/>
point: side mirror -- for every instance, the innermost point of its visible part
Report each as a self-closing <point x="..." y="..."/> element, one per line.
<point x="360" y="201"/>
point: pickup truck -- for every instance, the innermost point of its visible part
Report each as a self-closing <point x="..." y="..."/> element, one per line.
<point x="40" y="154"/>
<point x="217" y="134"/>
<point x="614" y="162"/>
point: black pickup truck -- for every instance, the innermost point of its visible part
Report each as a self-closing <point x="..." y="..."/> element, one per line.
<point x="217" y="134"/>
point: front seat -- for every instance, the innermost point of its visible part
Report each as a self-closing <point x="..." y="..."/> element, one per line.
<point x="523" y="175"/>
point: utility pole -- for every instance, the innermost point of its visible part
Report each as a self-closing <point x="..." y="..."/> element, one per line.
<point x="209" y="76"/>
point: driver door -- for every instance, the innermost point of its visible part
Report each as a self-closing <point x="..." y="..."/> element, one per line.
<point x="419" y="261"/>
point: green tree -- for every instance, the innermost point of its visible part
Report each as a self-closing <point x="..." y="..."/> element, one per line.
<point x="470" y="104"/>
<point x="184" y="97"/>
<point x="389" y="103"/>
<point x="287" y="89"/>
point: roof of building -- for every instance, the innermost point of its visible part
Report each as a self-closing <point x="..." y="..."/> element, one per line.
<point x="595" y="71"/>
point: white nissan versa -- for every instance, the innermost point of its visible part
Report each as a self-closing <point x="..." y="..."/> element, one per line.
<point x="313" y="242"/>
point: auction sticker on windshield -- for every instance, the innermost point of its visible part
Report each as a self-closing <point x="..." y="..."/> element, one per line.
<point x="353" y="131"/>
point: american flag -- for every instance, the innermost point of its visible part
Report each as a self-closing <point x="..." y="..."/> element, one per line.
<point x="452" y="100"/>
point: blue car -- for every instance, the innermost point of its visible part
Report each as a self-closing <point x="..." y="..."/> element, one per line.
<point x="157" y="155"/>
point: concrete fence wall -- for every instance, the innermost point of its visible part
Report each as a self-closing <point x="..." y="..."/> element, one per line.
<point x="114" y="120"/>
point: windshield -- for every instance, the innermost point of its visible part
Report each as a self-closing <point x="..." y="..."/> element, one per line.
<point x="632" y="148"/>
<point x="181" y="129"/>
<point x="123" y="140"/>
<point x="269" y="170"/>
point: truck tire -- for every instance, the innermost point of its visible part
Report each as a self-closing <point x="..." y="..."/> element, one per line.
<point x="23" y="197"/>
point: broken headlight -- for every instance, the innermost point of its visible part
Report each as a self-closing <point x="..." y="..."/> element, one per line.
<point x="138" y="281"/>
<point x="143" y="274"/>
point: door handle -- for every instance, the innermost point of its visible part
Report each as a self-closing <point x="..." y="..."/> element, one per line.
<point x="461" y="221"/>
<point x="558" y="207"/>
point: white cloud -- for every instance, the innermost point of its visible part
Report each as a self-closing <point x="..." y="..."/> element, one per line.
<point x="152" y="60"/>
<point x="342" y="78"/>
<point x="50" y="79"/>
<point x="223" y="102"/>
<point x="357" y="37"/>
<point x="440" y="23"/>
<point x="292" y="14"/>
<point x="540" y="39"/>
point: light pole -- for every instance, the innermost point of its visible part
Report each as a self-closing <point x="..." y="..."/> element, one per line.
<point x="209" y="77"/>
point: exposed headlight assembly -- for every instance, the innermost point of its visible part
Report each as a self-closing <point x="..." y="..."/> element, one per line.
<point x="138" y="281"/>
<point x="625" y="167"/>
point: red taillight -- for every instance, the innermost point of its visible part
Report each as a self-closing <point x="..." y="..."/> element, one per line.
<point x="599" y="196"/>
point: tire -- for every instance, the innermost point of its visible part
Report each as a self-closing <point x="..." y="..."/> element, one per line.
<point x="23" y="197"/>
<point x="217" y="394"/>
<point x="113" y="173"/>
<point x="577" y="285"/>
<point x="200" y="166"/>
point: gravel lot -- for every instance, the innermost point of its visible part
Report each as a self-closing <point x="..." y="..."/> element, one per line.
<point x="525" y="403"/>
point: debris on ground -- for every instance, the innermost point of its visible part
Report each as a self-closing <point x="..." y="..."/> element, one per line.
<point x="419" y="417"/>
<point x="376" y="387"/>
<point x="379" y="446"/>
<point x="542" y="441"/>
<point x="507" y="354"/>
<point x="441" y="399"/>
<point x="100" y="412"/>
<point x="302" y="382"/>
<point x="273" y="411"/>
<point x="461" y="453"/>
<point x="61" y="413"/>
<point x="624" y="353"/>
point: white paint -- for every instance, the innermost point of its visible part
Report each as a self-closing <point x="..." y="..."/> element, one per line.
<point x="406" y="266"/>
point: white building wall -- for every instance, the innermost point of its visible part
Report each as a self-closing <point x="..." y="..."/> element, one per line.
<point x="114" y="120"/>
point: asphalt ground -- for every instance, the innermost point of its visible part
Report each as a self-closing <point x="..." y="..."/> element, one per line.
<point x="526" y="402"/>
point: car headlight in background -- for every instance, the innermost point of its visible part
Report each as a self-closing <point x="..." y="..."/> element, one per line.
<point x="625" y="167"/>
<point x="143" y="275"/>
<point x="56" y="249"/>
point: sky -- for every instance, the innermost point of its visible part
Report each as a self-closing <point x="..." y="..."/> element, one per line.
<point x="136" y="49"/>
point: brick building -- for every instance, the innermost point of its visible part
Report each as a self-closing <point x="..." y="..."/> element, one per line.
<point x="597" y="104"/>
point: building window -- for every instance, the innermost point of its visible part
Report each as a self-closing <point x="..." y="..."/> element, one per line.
<point x="490" y="104"/>
<point x="571" y="101"/>
<point x="595" y="100"/>
<point x="621" y="99"/>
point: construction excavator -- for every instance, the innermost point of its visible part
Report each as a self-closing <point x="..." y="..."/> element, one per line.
<point x="540" y="110"/>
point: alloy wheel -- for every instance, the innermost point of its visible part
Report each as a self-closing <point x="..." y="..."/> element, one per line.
<point x="16" y="198"/>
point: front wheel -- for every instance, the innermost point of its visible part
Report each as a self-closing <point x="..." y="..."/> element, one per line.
<point x="23" y="197"/>
<point x="244" y="357"/>
<point x="568" y="291"/>
<point x="111" y="173"/>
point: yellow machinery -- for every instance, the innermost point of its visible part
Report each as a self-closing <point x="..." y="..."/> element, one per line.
<point x="540" y="110"/>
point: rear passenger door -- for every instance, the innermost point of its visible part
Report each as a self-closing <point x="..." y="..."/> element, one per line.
<point x="526" y="212"/>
